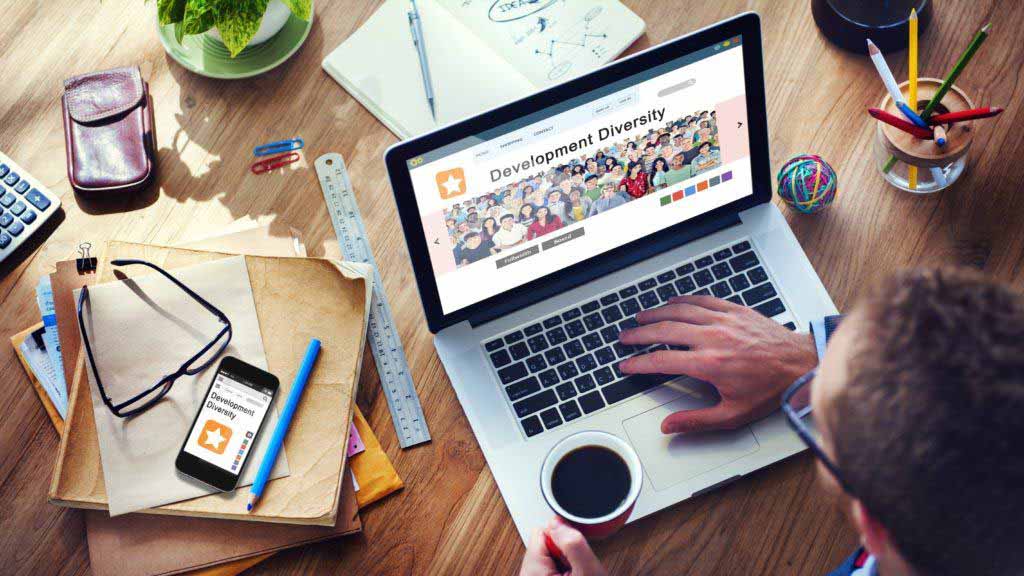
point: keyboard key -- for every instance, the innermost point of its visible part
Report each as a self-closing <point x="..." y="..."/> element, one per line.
<point x="611" y="314"/>
<point x="605" y="355"/>
<point x="550" y="418"/>
<point x="593" y="321"/>
<point x="18" y="208"/>
<point x="647" y="284"/>
<point x="552" y="322"/>
<point x="522" y="389"/>
<point x="721" y="289"/>
<point x="739" y="283"/>
<point x="610" y="334"/>
<point x="771" y="308"/>
<point x="609" y="299"/>
<point x="494" y="345"/>
<point x="554" y="356"/>
<point x="592" y="341"/>
<point x="533" y="329"/>
<point x="537" y="343"/>
<point x="573" y="348"/>
<point x="591" y="402"/>
<point x="536" y="363"/>
<point x="28" y="217"/>
<point x="586" y="363"/>
<point x="721" y="270"/>
<point x="549" y="378"/>
<point x="741" y="247"/>
<point x="649" y="300"/>
<point x="621" y="350"/>
<point x="702" y="292"/>
<point x="556" y="336"/>
<point x="735" y="299"/>
<point x="519" y="351"/>
<point x="744" y="261"/>
<point x="575" y="329"/>
<point x="629" y="307"/>
<point x="535" y="403"/>
<point x="627" y="324"/>
<point x="513" y="337"/>
<point x="685" y="269"/>
<point x="633" y="385"/>
<point x="590" y="307"/>
<point x="565" y="391"/>
<point x="585" y="383"/>
<point x="5" y="240"/>
<point x="629" y="291"/>
<point x="570" y="411"/>
<point x="6" y="219"/>
<point x="722" y="254"/>
<point x="571" y="314"/>
<point x="510" y="374"/>
<point x="666" y="276"/>
<point x="531" y="426"/>
<point x="789" y="326"/>
<point x="703" y="278"/>
<point x="4" y="169"/>
<point x="759" y="294"/>
<point x="666" y="291"/>
<point x="8" y="199"/>
<point x="604" y="376"/>
<point x="757" y="275"/>
<point x="21" y="187"/>
<point x="11" y="178"/>
<point x="500" y="358"/>
<point x="685" y="285"/>
<point x="568" y="371"/>
<point x="704" y="262"/>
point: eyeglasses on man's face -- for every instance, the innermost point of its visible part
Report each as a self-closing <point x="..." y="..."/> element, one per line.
<point x="198" y="362"/>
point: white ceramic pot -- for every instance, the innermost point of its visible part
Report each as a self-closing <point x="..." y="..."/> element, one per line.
<point x="273" y="20"/>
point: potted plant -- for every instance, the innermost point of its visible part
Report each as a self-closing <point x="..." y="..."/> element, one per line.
<point x="236" y="23"/>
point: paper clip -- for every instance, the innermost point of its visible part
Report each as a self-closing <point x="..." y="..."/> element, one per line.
<point x="274" y="162"/>
<point x="279" y="146"/>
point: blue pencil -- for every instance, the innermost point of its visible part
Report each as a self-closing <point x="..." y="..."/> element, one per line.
<point x="277" y="440"/>
<point x="911" y="115"/>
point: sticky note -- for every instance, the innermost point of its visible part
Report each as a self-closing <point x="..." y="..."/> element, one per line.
<point x="355" y="443"/>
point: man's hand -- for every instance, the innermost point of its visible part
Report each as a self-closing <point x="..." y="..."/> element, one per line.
<point x="538" y="561"/>
<point x="750" y="359"/>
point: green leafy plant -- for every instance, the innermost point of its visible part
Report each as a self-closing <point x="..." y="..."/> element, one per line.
<point x="236" y="20"/>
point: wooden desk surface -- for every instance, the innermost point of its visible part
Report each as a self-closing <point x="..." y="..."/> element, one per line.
<point x="451" y="519"/>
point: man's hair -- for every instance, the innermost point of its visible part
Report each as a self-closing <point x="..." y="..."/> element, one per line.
<point x="590" y="177"/>
<point x="506" y="217"/>
<point x="929" y="430"/>
<point x="470" y="235"/>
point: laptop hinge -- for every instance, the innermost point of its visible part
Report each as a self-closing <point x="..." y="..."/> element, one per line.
<point x="604" y="267"/>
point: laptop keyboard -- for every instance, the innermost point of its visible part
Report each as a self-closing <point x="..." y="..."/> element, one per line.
<point x="566" y="365"/>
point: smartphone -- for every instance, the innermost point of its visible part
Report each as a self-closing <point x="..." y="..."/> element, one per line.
<point x="226" y="427"/>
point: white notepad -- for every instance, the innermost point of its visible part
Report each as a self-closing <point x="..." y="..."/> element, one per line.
<point x="482" y="53"/>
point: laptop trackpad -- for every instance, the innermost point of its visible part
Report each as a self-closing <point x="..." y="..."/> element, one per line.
<point x="671" y="459"/>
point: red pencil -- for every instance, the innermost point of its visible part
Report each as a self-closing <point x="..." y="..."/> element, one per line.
<point x="975" y="114"/>
<point x="892" y="120"/>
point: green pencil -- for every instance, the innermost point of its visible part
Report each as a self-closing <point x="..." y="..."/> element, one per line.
<point x="965" y="58"/>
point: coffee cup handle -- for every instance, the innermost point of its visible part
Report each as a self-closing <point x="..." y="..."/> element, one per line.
<point x="561" y="563"/>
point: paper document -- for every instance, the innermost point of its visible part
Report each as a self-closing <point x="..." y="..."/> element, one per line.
<point x="34" y="350"/>
<point x="142" y="329"/>
<point x="44" y="299"/>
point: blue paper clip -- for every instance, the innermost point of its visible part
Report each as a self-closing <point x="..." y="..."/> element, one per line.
<point x="278" y="147"/>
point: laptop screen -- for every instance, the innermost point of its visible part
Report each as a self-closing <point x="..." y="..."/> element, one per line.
<point x="586" y="175"/>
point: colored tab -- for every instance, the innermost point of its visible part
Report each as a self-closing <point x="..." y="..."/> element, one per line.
<point x="715" y="180"/>
<point x="702" y="186"/>
<point x="727" y="176"/>
<point x="691" y="190"/>
<point x="678" y="195"/>
<point x="666" y="200"/>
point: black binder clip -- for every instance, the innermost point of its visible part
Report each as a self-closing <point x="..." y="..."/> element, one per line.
<point x="85" y="262"/>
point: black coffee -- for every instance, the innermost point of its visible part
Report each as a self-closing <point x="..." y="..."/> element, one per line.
<point x="590" y="481"/>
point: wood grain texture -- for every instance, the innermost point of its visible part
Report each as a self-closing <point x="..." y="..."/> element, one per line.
<point x="450" y="518"/>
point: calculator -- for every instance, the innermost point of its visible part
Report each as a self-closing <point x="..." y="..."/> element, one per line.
<point x="25" y="204"/>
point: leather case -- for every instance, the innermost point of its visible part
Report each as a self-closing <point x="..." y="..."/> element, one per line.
<point x="108" y="132"/>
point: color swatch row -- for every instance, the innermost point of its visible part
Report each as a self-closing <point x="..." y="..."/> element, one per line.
<point x="694" y="188"/>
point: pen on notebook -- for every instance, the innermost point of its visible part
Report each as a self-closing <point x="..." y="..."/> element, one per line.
<point x="283" y="422"/>
<point x="416" y="26"/>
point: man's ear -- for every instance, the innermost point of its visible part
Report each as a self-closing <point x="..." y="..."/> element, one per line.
<point x="873" y="535"/>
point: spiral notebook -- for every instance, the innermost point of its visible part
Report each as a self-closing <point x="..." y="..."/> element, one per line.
<point x="482" y="53"/>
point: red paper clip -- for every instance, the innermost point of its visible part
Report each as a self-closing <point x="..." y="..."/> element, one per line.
<point x="274" y="162"/>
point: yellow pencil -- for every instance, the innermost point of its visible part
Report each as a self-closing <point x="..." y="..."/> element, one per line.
<point x="912" y="85"/>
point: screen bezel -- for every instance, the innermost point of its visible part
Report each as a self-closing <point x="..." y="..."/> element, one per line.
<point x="396" y="159"/>
<point x="207" y="473"/>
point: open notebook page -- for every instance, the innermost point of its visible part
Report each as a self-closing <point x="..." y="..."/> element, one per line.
<point x="550" y="41"/>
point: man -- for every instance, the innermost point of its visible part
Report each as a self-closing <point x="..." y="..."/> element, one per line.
<point x="918" y="401"/>
<point x="556" y="203"/>
<point x="609" y="199"/>
<point x="678" y="171"/>
<point x="650" y="153"/>
<point x="613" y="177"/>
<point x="707" y="159"/>
<point x="474" y="249"/>
<point x="511" y="233"/>
<point x="591" y="189"/>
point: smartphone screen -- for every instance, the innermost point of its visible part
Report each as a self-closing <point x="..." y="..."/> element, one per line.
<point x="227" y="424"/>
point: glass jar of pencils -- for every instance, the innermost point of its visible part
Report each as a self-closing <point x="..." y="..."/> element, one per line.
<point x="927" y="160"/>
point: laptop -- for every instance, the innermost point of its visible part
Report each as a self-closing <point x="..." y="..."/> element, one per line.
<point x="537" y="230"/>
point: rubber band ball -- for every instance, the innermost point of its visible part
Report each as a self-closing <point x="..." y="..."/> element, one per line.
<point x="807" y="183"/>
